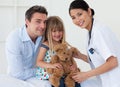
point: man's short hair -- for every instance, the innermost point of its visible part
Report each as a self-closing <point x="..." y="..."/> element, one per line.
<point x="34" y="9"/>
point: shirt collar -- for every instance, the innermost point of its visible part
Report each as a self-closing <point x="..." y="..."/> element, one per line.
<point x="26" y="37"/>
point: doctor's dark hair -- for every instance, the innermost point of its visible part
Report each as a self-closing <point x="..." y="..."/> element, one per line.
<point x="35" y="9"/>
<point x="80" y="4"/>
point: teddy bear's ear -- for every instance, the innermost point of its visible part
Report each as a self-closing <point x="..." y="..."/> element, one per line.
<point x="56" y="48"/>
<point x="60" y="47"/>
<point x="64" y="45"/>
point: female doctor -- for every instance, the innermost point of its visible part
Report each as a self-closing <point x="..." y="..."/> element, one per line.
<point x="103" y="48"/>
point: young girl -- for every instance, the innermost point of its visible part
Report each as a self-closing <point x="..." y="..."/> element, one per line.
<point x="55" y="34"/>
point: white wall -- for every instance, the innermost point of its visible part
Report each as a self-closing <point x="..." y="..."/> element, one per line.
<point x="12" y="16"/>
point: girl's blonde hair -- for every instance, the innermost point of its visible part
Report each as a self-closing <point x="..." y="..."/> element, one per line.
<point x="54" y="23"/>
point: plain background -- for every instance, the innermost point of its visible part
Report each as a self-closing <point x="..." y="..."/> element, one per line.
<point x="12" y="17"/>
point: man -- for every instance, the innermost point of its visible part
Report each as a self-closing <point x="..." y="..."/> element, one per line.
<point x="22" y="44"/>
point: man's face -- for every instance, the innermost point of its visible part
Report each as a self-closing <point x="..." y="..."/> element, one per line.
<point x="36" y="27"/>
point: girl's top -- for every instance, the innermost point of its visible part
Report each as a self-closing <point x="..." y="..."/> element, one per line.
<point x="41" y="72"/>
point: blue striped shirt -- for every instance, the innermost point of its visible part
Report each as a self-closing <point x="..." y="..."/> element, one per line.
<point x="21" y="54"/>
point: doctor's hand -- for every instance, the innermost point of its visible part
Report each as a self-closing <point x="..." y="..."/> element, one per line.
<point x="80" y="76"/>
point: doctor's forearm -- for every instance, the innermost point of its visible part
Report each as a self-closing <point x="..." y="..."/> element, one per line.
<point x="110" y="64"/>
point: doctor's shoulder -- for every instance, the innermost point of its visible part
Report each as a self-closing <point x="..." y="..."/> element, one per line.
<point x="101" y="27"/>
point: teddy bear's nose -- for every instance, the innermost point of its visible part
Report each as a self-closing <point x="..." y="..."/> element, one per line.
<point x="66" y="58"/>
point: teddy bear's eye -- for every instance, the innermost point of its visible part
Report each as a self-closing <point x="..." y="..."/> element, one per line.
<point x="63" y="52"/>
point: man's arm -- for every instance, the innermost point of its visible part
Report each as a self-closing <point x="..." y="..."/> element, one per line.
<point x="16" y="64"/>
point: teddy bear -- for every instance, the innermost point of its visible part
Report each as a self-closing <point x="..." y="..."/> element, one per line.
<point x="64" y="56"/>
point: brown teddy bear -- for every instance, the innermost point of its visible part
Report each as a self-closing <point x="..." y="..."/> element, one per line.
<point x="64" y="56"/>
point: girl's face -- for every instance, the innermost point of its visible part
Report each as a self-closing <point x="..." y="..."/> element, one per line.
<point x="81" y="18"/>
<point x="57" y="35"/>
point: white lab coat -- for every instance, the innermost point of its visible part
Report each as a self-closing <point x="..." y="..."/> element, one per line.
<point x="104" y="44"/>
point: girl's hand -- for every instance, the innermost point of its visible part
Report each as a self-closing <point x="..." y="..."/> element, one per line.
<point x="57" y="66"/>
<point x="80" y="76"/>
